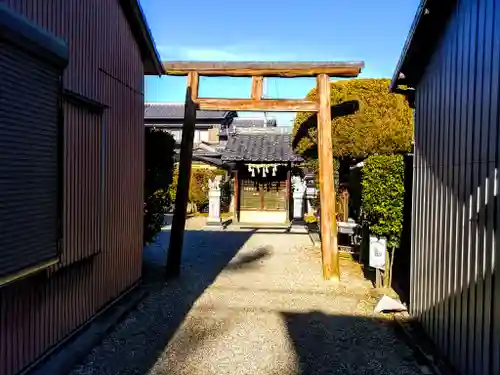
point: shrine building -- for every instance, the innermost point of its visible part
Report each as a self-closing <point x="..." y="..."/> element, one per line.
<point x="261" y="161"/>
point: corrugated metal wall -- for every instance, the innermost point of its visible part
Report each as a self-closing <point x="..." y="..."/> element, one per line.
<point x="455" y="291"/>
<point x="83" y="175"/>
<point x="105" y="66"/>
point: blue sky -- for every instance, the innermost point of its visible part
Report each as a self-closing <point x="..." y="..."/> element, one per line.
<point x="274" y="30"/>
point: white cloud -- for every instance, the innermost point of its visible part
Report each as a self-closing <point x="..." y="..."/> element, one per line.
<point x="228" y="53"/>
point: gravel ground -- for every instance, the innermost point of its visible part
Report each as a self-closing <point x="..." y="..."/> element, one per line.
<point x="253" y="303"/>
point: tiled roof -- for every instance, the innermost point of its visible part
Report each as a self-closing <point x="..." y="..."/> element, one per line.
<point x="257" y="130"/>
<point x="260" y="147"/>
<point x="176" y="111"/>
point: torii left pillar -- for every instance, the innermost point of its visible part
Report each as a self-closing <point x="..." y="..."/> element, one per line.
<point x="174" y="255"/>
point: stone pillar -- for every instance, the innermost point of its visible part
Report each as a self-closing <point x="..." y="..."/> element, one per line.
<point x="235" y="198"/>
<point x="232" y="200"/>
<point x="299" y="189"/>
<point x="214" y="195"/>
<point x="311" y="194"/>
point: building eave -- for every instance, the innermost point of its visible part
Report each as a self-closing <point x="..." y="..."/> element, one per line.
<point x="411" y="35"/>
<point x="176" y="122"/>
<point x="425" y="34"/>
<point x="33" y="39"/>
<point x="177" y="126"/>
<point x="169" y="111"/>
<point x="142" y="34"/>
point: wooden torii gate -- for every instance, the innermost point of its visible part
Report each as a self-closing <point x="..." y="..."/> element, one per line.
<point x="258" y="71"/>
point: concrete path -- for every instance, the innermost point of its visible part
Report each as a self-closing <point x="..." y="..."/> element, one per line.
<point x="253" y="303"/>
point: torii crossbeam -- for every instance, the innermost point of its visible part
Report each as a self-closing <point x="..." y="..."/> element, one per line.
<point x="258" y="71"/>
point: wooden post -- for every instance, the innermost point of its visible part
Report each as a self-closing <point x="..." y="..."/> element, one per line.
<point x="329" y="248"/>
<point x="378" y="278"/>
<point x="181" y="200"/>
<point x="257" y="82"/>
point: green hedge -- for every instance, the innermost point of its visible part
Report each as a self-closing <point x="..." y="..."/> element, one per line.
<point x="159" y="165"/>
<point x="383" y="192"/>
<point x="198" y="188"/>
<point x="383" y="196"/>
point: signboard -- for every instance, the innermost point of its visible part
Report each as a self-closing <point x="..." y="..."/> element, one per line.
<point x="378" y="247"/>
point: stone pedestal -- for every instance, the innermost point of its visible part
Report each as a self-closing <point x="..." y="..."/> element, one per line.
<point x="214" y="195"/>
<point x="311" y="194"/>
<point x="299" y="189"/>
<point x="298" y="206"/>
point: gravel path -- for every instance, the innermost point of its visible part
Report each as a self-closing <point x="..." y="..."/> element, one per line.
<point x="253" y="303"/>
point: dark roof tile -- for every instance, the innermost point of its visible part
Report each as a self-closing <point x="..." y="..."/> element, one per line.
<point x="260" y="147"/>
<point x="176" y="111"/>
<point x="252" y="122"/>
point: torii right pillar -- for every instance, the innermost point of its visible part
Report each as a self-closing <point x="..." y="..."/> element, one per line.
<point x="329" y="242"/>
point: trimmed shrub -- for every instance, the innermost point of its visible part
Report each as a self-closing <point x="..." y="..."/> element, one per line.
<point x="366" y="120"/>
<point x="159" y="165"/>
<point x="198" y="188"/>
<point x="383" y="201"/>
<point x="382" y="123"/>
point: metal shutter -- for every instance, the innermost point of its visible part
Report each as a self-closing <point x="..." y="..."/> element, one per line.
<point x="29" y="161"/>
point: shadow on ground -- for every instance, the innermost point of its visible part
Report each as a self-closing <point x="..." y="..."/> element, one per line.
<point x="226" y="339"/>
<point x="198" y="249"/>
<point x="143" y="336"/>
<point x="326" y="344"/>
<point x="315" y="344"/>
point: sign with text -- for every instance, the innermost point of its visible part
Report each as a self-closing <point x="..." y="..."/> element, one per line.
<point x="378" y="247"/>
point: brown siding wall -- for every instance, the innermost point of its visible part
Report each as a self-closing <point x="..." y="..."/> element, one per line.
<point x="98" y="38"/>
<point x="83" y="173"/>
<point x="455" y="290"/>
<point x="105" y="66"/>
